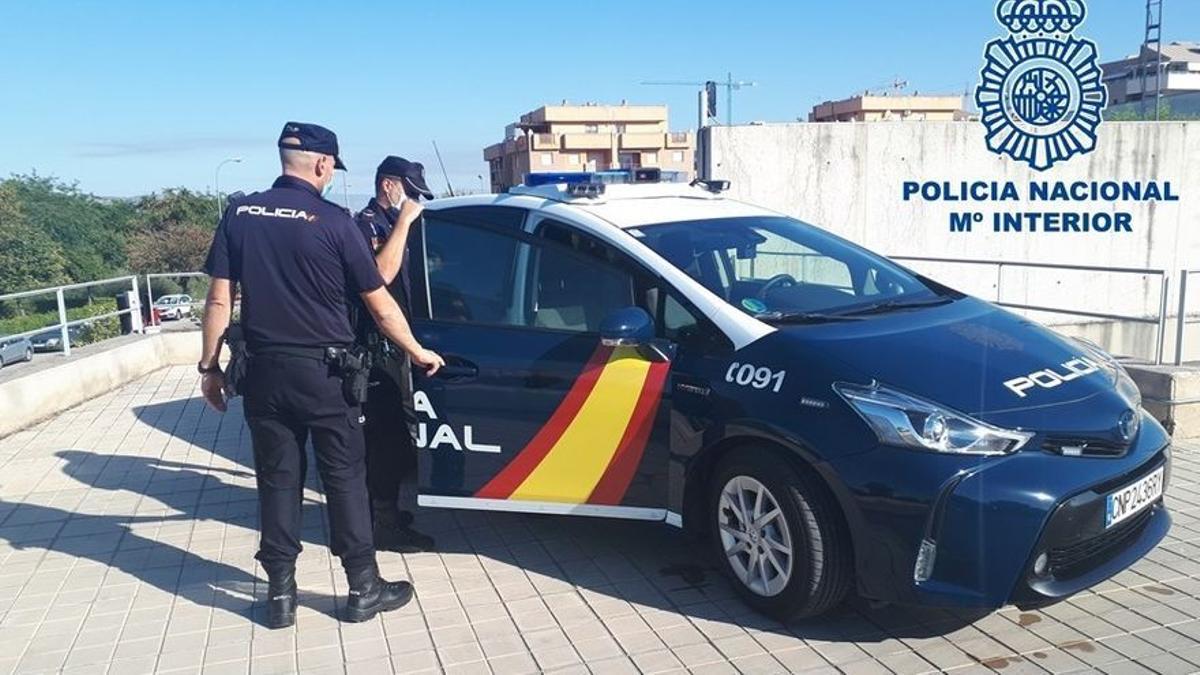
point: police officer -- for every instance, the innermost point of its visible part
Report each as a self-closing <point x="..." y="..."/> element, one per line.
<point x="391" y="419"/>
<point x="298" y="259"/>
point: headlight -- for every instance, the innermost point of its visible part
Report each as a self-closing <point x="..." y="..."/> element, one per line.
<point x="1117" y="374"/>
<point x="902" y="419"/>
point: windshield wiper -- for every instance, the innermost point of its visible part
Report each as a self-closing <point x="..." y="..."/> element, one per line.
<point x="803" y="317"/>
<point x="893" y="305"/>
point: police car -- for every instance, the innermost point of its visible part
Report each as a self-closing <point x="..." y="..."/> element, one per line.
<point x="623" y="346"/>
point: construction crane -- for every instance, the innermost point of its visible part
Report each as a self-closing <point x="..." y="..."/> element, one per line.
<point x="1153" y="42"/>
<point x="708" y="96"/>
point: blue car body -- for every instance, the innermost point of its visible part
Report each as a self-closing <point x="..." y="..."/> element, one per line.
<point x="517" y="420"/>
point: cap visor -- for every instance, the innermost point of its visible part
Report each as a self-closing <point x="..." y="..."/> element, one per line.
<point x="337" y="163"/>
<point x="420" y="186"/>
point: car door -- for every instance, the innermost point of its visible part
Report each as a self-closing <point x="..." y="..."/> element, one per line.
<point x="533" y="413"/>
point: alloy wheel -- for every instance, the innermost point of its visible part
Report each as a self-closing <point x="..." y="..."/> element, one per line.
<point x="755" y="536"/>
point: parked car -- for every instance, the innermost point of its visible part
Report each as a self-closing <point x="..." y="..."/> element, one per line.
<point x="51" y="340"/>
<point x="15" y="350"/>
<point x="173" y="307"/>
<point x="829" y="420"/>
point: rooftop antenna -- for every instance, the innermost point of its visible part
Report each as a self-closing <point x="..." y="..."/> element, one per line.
<point x="896" y="86"/>
<point x="449" y="187"/>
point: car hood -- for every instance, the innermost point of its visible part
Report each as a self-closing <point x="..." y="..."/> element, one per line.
<point x="971" y="356"/>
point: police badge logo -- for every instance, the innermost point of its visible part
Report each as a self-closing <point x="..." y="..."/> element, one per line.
<point x="1041" y="92"/>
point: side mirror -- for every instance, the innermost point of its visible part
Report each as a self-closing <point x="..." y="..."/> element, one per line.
<point x="628" y="327"/>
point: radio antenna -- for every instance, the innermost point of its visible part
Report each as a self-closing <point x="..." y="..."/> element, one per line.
<point x="449" y="187"/>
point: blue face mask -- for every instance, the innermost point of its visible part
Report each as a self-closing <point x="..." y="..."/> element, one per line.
<point x="327" y="189"/>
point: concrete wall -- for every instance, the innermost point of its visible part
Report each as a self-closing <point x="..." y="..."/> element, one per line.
<point x="29" y="399"/>
<point x="848" y="179"/>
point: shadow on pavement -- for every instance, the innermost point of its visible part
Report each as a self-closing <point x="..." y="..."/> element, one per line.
<point x="111" y="541"/>
<point x="606" y="560"/>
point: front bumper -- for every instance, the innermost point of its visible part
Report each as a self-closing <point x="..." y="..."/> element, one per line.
<point x="1081" y="551"/>
<point x="988" y="518"/>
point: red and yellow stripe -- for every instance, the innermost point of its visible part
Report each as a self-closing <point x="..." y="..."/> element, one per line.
<point x="590" y="448"/>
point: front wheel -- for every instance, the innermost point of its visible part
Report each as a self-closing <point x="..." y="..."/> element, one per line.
<point x="779" y="535"/>
<point x="28" y="354"/>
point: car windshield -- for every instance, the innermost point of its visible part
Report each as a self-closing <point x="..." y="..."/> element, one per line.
<point x="780" y="268"/>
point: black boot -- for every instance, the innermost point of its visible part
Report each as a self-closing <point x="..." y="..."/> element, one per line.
<point x="281" y="598"/>
<point x="391" y="530"/>
<point x="370" y="595"/>
<point x="405" y="540"/>
<point x="385" y="512"/>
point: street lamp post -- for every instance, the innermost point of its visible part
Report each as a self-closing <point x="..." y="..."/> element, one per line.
<point x="217" y="180"/>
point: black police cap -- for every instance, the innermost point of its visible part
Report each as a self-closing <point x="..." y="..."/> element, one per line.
<point x="411" y="174"/>
<point x="311" y="137"/>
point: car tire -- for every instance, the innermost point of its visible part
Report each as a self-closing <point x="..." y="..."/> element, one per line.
<point x="794" y="565"/>
<point x="28" y="354"/>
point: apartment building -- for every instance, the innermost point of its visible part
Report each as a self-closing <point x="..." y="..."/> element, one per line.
<point x="588" y="137"/>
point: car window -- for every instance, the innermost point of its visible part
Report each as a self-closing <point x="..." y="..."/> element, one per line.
<point x="508" y="218"/>
<point x="778" y="255"/>
<point x="471" y="273"/>
<point x="574" y="292"/>
<point x="487" y="276"/>
<point x="674" y="320"/>
<point x="776" y="264"/>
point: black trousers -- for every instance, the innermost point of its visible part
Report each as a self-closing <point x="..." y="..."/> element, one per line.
<point x="390" y="428"/>
<point x="289" y="399"/>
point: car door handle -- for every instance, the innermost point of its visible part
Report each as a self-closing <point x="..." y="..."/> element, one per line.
<point x="457" y="369"/>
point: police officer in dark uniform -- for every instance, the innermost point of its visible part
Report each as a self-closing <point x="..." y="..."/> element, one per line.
<point x="391" y="422"/>
<point x="298" y="260"/>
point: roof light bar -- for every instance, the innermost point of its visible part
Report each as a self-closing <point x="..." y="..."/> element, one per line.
<point x="613" y="177"/>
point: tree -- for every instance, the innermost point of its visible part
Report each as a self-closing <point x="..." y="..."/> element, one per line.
<point x="1133" y="112"/>
<point x="29" y="257"/>
<point x="172" y="231"/>
<point x="89" y="230"/>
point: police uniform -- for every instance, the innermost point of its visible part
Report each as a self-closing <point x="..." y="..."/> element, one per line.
<point x="391" y="420"/>
<point x="298" y="260"/>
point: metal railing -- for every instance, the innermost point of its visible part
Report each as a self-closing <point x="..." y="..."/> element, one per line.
<point x="1159" y="320"/>
<point x="1182" y="321"/>
<point x="63" y="325"/>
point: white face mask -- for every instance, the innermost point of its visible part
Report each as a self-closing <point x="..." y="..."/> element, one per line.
<point x="398" y="198"/>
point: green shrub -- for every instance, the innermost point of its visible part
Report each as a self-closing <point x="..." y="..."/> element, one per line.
<point x="49" y="318"/>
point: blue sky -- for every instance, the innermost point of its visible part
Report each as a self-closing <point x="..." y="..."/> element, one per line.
<point x="130" y="97"/>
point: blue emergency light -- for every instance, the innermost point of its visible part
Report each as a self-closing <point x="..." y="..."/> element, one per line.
<point x="613" y="177"/>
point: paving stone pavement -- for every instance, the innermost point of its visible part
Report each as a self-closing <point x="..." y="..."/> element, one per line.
<point x="127" y="540"/>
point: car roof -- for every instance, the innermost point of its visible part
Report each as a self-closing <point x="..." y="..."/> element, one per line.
<point x="624" y="206"/>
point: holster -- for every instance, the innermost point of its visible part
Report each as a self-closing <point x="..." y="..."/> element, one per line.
<point x="354" y="366"/>
<point x="239" y="359"/>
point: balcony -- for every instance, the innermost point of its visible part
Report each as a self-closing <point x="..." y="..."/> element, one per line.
<point x="586" y="141"/>
<point x="641" y="141"/>
<point x="545" y="141"/>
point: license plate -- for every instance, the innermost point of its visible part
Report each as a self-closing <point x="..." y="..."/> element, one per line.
<point x="1131" y="499"/>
